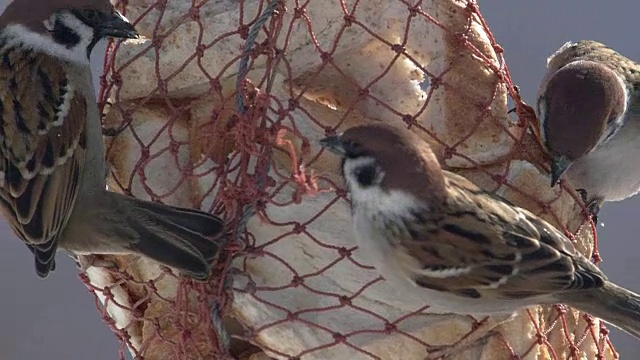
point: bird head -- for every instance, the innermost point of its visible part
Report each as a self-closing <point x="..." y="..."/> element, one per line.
<point x="67" y="29"/>
<point x="379" y="159"/>
<point x="581" y="107"/>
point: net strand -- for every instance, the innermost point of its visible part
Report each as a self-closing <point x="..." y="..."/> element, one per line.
<point x="264" y="125"/>
<point x="249" y="209"/>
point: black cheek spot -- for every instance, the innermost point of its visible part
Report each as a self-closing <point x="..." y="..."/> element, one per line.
<point x="365" y="175"/>
<point x="64" y="35"/>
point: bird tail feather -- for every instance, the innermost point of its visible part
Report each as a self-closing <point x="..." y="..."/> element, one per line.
<point x="185" y="239"/>
<point x="613" y="304"/>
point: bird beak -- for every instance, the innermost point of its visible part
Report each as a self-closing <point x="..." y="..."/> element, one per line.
<point x="334" y="144"/>
<point x="116" y="26"/>
<point x="559" y="166"/>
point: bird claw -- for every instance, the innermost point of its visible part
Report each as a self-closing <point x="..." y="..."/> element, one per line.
<point x="445" y="351"/>
<point x="477" y="337"/>
<point x="593" y="206"/>
<point x="437" y="352"/>
<point x="440" y="352"/>
<point x="594" y="209"/>
<point x="583" y="195"/>
<point x="84" y="262"/>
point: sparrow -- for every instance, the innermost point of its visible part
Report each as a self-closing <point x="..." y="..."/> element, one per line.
<point x="52" y="157"/>
<point x="588" y="104"/>
<point x="436" y="237"/>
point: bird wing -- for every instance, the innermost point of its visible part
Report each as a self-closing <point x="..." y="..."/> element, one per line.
<point x="42" y="149"/>
<point x="485" y="244"/>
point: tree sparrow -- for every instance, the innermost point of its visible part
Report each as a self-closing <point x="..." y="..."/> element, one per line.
<point x="52" y="157"/>
<point x="590" y="120"/>
<point x="439" y="239"/>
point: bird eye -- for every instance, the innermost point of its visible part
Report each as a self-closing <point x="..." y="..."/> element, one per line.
<point x="88" y="16"/>
<point x="352" y="149"/>
<point x="91" y="14"/>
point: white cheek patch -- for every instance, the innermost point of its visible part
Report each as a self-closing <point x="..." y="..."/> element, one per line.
<point x="19" y="35"/>
<point x="542" y="116"/>
<point x="614" y="126"/>
<point x="374" y="201"/>
<point x="49" y="24"/>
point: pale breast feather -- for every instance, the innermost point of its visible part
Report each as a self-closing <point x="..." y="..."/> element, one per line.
<point x="42" y="148"/>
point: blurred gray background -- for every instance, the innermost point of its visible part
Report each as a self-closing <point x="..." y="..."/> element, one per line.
<point x="56" y="319"/>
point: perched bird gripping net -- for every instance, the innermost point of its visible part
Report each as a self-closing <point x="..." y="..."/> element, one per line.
<point x="220" y="107"/>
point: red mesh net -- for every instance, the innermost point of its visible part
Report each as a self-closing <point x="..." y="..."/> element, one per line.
<point x="220" y="107"/>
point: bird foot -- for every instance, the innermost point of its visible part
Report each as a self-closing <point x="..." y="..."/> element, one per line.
<point x="583" y="195"/>
<point x="593" y="206"/>
<point x="476" y="337"/>
<point x="84" y="262"/>
<point x="445" y="351"/>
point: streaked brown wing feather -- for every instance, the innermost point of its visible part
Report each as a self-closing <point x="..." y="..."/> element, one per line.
<point x="42" y="149"/>
<point x="504" y="248"/>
